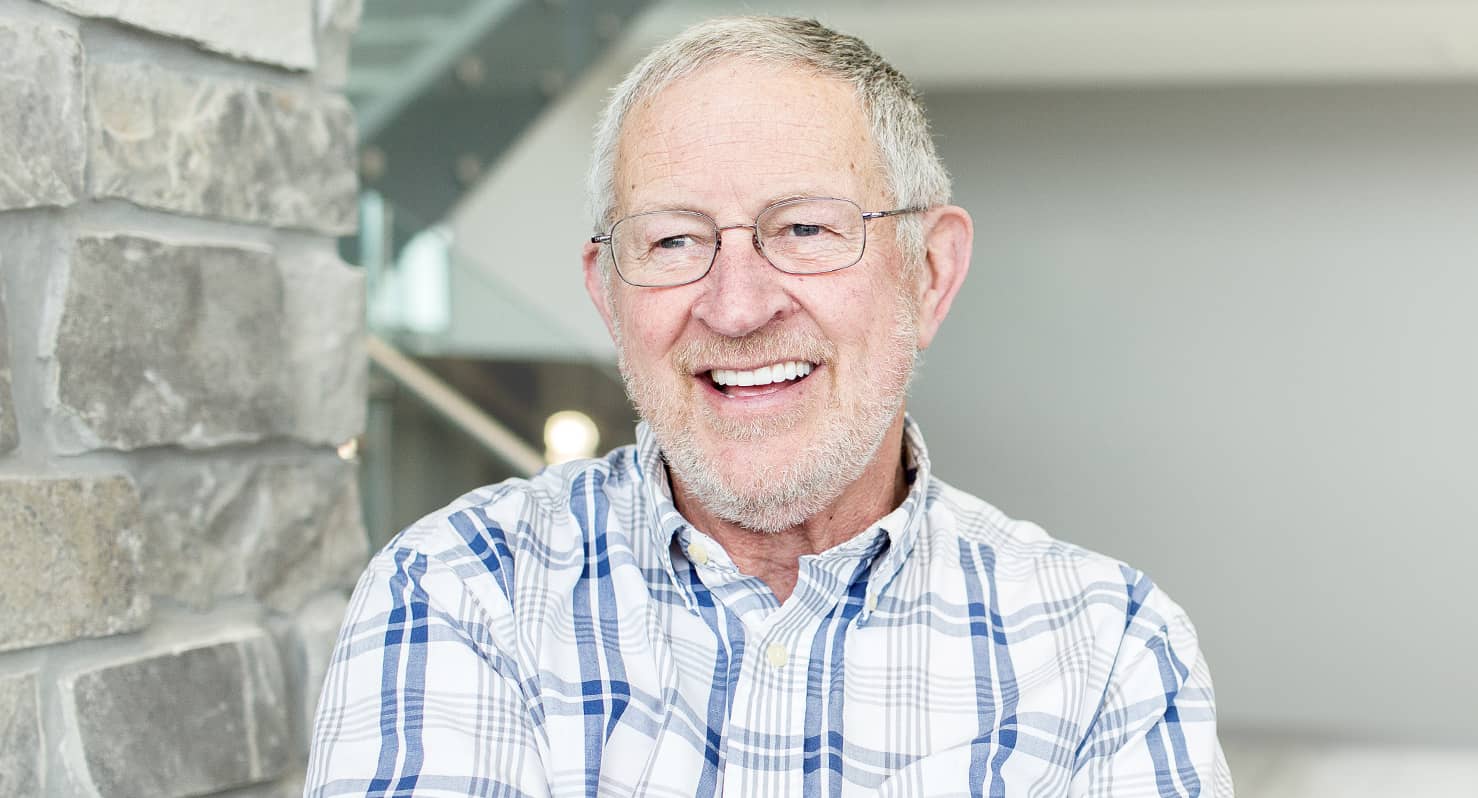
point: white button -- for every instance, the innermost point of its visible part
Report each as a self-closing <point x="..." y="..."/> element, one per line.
<point x="872" y="603"/>
<point x="778" y="655"/>
<point x="698" y="553"/>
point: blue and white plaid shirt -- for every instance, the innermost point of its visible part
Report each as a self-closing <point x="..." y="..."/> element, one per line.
<point x="572" y="634"/>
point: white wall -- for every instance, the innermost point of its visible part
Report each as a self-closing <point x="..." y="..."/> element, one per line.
<point x="1229" y="335"/>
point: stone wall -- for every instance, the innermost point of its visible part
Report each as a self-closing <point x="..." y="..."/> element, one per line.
<point x="180" y="358"/>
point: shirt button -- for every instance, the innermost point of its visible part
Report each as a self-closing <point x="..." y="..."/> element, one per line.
<point x="698" y="553"/>
<point x="872" y="603"/>
<point x="777" y="654"/>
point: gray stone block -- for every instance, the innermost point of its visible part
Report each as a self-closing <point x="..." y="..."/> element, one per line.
<point x="270" y="31"/>
<point x="222" y="149"/>
<point x="315" y="631"/>
<point x="279" y="532"/>
<point x="171" y="344"/>
<point x="201" y="345"/>
<point x="325" y="330"/>
<point x="9" y="436"/>
<point x="290" y="786"/>
<point x="337" y="21"/>
<point x="69" y="555"/>
<point x="205" y="719"/>
<point x="20" y="737"/>
<point x="42" y="127"/>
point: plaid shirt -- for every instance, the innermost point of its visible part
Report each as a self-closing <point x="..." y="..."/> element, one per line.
<point x="572" y="634"/>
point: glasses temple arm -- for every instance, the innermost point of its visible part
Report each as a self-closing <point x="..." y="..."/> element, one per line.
<point x="895" y="212"/>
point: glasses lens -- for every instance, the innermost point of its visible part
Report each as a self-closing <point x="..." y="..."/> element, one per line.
<point x="665" y="248"/>
<point x="812" y="236"/>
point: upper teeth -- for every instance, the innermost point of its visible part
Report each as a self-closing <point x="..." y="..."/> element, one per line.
<point x="764" y="375"/>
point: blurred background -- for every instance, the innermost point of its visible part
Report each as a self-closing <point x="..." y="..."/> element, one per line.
<point x="1219" y="324"/>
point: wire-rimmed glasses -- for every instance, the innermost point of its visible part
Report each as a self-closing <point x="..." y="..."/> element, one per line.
<point x="810" y="235"/>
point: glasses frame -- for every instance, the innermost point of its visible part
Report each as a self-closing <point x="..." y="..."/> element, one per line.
<point x="718" y="236"/>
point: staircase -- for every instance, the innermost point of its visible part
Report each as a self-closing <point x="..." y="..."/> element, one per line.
<point x="441" y="89"/>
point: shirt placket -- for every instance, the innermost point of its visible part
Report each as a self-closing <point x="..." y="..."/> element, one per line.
<point x="782" y="716"/>
<point x="767" y="726"/>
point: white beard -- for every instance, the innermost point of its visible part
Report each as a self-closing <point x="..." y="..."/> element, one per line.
<point x="774" y="498"/>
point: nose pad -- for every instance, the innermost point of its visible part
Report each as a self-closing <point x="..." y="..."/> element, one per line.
<point x="754" y="239"/>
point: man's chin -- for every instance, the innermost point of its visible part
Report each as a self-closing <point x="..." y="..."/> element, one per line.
<point x="767" y="485"/>
<point x="743" y="466"/>
<point x="755" y="499"/>
<point x="750" y="436"/>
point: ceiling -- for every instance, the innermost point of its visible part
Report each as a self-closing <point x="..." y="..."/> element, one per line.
<point x="982" y="43"/>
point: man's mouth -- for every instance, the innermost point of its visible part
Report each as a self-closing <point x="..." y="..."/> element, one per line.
<point x="773" y="376"/>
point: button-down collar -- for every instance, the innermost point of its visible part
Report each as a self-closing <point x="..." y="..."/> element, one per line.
<point x="893" y="535"/>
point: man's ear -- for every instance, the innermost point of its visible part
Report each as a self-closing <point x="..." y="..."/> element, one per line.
<point x="948" y="237"/>
<point x="595" y="285"/>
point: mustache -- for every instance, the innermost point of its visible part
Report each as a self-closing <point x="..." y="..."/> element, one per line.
<point x="766" y="345"/>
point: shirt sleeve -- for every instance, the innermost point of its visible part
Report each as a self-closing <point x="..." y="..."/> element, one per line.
<point x="1155" y="734"/>
<point x="418" y="699"/>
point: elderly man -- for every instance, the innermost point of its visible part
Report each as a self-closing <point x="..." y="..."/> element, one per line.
<point x="770" y="593"/>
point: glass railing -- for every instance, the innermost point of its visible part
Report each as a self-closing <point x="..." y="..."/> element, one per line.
<point x="443" y="88"/>
<point x="466" y="358"/>
<point x="474" y="374"/>
<point x="431" y="297"/>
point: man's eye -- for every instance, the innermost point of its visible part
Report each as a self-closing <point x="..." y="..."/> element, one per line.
<point x="674" y="242"/>
<point x="801" y="230"/>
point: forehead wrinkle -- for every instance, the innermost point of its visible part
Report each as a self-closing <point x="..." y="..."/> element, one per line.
<point x="675" y="179"/>
<point x="679" y="144"/>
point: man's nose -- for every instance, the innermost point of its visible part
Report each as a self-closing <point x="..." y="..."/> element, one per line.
<point x="742" y="292"/>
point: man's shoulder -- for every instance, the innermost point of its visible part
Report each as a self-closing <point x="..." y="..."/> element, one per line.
<point x="980" y="524"/>
<point x="503" y="520"/>
<point x="1022" y="554"/>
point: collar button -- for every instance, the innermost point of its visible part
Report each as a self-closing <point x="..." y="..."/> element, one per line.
<point x="698" y="553"/>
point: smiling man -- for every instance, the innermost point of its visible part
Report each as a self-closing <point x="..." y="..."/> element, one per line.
<point x="770" y="593"/>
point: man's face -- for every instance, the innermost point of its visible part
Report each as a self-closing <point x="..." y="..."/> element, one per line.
<point x="729" y="141"/>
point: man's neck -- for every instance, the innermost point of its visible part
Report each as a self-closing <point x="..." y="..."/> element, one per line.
<point x="774" y="557"/>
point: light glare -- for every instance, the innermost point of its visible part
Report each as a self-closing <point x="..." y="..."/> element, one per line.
<point x="569" y="435"/>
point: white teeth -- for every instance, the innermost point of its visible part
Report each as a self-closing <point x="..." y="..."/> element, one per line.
<point x="764" y="375"/>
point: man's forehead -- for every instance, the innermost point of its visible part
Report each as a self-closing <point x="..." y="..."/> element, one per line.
<point x="767" y="131"/>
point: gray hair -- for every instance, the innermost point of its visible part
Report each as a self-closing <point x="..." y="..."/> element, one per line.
<point x="911" y="168"/>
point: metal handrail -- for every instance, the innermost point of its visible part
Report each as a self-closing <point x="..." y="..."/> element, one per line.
<point x="457" y="409"/>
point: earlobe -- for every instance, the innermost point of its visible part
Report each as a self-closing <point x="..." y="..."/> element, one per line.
<point x="595" y="286"/>
<point x="948" y="239"/>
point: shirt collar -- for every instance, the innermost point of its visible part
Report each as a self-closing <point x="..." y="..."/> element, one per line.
<point x="664" y="521"/>
<point x="904" y="523"/>
<point x="901" y="526"/>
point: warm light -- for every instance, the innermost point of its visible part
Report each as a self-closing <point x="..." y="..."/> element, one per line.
<point x="569" y="435"/>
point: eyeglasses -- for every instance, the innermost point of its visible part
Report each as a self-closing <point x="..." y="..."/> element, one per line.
<point x="812" y="235"/>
